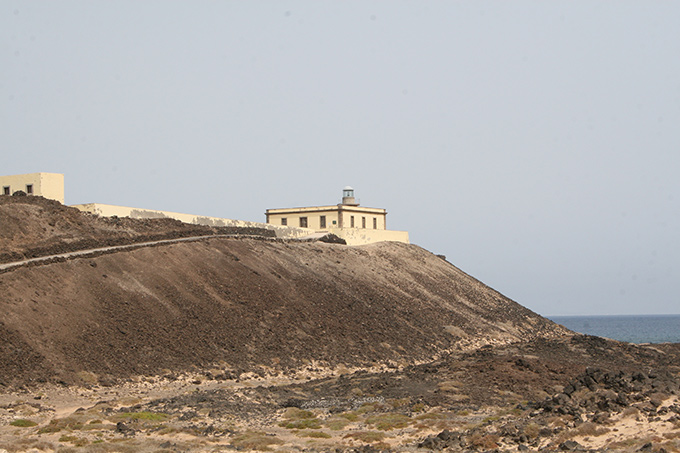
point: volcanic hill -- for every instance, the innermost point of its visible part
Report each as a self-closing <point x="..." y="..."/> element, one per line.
<point x="248" y="302"/>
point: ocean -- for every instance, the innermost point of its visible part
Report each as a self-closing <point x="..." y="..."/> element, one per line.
<point x="633" y="329"/>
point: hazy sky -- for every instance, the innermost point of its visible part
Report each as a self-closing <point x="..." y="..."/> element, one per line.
<point x="536" y="144"/>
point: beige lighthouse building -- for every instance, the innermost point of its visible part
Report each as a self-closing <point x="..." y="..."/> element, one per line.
<point x="348" y="220"/>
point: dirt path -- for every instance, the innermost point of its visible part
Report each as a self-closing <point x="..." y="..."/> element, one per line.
<point x="111" y="249"/>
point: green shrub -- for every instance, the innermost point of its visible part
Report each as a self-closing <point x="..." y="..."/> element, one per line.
<point x="313" y="434"/>
<point x="387" y="422"/>
<point x="293" y="413"/>
<point x="351" y="416"/>
<point x="336" y="424"/>
<point x="23" y="423"/>
<point x="309" y="423"/>
<point x="299" y="419"/>
<point x="254" y="440"/>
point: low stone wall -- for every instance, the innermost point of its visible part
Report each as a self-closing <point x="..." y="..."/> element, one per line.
<point x="107" y="210"/>
<point x="360" y="236"/>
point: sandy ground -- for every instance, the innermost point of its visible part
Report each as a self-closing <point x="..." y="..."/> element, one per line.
<point x="388" y="409"/>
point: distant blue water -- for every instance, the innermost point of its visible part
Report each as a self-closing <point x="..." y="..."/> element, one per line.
<point x="633" y="329"/>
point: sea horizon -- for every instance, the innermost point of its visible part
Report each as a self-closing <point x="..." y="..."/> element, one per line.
<point x="650" y="328"/>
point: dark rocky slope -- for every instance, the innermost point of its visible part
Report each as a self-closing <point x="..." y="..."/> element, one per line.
<point x="245" y="304"/>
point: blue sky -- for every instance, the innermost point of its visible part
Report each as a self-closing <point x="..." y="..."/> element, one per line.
<point x="535" y="144"/>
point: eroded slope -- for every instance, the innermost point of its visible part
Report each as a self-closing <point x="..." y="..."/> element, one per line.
<point x="248" y="303"/>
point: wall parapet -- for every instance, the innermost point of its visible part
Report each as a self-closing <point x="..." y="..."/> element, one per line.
<point x="107" y="210"/>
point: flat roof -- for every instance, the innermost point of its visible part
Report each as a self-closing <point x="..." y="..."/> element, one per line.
<point x="326" y="209"/>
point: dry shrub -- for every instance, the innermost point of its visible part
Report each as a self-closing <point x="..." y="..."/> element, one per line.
<point x="365" y="436"/>
<point x="630" y="412"/>
<point x="75" y="440"/>
<point x="255" y="440"/>
<point x="313" y="434"/>
<point x="336" y="424"/>
<point x="455" y="331"/>
<point x="623" y="444"/>
<point x="307" y="423"/>
<point x="559" y="421"/>
<point x="418" y="407"/>
<point x="397" y="403"/>
<point x="368" y="407"/>
<point x="487" y="441"/>
<point x="357" y="392"/>
<point x="55" y="425"/>
<point x="532" y="430"/>
<point x="389" y="421"/>
<point x="590" y="429"/>
<point x="351" y="416"/>
<point x="87" y="378"/>
<point x="22" y="445"/>
<point x="431" y="416"/>
<point x="449" y="386"/>
<point x="586" y="429"/>
<point x="670" y="446"/>
<point x="299" y="419"/>
<point x="293" y="413"/>
<point x="144" y="416"/>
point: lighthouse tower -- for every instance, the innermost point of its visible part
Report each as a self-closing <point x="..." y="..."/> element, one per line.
<point x="348" y="197"/>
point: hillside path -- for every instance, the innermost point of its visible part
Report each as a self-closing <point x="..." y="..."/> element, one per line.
<point x="114" y="248"/>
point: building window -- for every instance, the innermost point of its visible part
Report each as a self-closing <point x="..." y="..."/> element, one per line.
<point x="363" y="222"/>
<point x="284" y="221"/>
<point x="5" y="190"/>
<point x="351" y="221"/>
<point x="322" y="221"/>
<point x="375" y="223"/>
<point x="303" y="222"/>
<point x="29" y="189"/>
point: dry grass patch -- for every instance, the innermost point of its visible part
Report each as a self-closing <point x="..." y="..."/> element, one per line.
<point x="366" y="436"/>
<point x="295" y="418"/>
<point x="532" y="430"/>
<point x="351" y="416"/>
<point x="312" y="423"/>
<point x="590" y="429"/>
<point x="57" y="424"/>
<point x="336" y="423"/>
<point x="255" y="440"/>
<point x="75" y="440"/>
<point x="487" y="441"/>
<point x="397" y="403"/>
<point x="431" y="416"/>
<point x="389" y="421"/>
<point x="585" y="430"/>
<point x="449" y="386"/>
<point x="87" y="378"/>
<point x="630" y="412"/>
<point x="367" y="407"/>
<point x="141" y="416"/>
<point x="313" y="434"/>
<point x="30" y="444"/>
